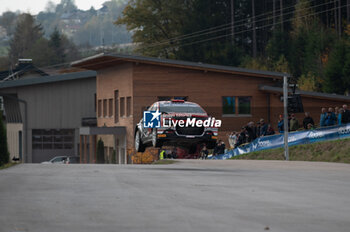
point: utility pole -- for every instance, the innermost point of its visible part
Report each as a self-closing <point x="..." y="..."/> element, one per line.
<point x="285" y="120"/>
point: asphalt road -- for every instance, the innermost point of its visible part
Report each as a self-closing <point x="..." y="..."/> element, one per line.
<point x="187" y="196"/>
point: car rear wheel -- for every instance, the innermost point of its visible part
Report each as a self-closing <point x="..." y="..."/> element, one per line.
<point x="139" y="146"/>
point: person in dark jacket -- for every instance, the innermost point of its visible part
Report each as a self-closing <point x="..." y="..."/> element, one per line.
<point x="270" y="130"/>
<point x="251" y="131"/>
<point x="263" y="127"/>
<point x="308" y="119"/>
<point x="220" y="147"/>
<point x="258" y="127"/>
<point x="242" y="138"/>
<point x="345" y="118"/>
<point x="204" y="152"/>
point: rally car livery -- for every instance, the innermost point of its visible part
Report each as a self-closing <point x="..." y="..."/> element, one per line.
<point x="181" y="123"/>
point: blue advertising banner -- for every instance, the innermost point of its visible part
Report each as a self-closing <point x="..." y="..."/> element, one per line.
<point x="294" y="138"/>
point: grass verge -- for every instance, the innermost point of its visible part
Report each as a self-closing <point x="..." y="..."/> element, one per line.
<point x="164" y="162"/>
<point x="330" y="151"/>
<point x="8" y="165"/>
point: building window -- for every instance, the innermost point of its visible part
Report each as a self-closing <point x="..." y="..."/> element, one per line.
<point x="244" y="105"/>
<point x="229" y="105"/>
<point x="104" y="107"/>
<point x="52" y="139"/>
<point x="236" y="106"/>
<point x="128" y="106"/>
<point x="122" y="106"/>
<point x="116" y="106"/>
<point x="110" y="107"/>
<point x="99" y="107"/>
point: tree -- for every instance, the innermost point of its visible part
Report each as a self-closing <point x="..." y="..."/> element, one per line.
<point x="337" y="73"/>
<point x="154" y="21"/>
<point x="8" y="21"/>
<point x="100" y="152"/>
<point x="56" y="44"/>
<point x="254" y="30"/>
<point x="26" y="34"/>
<point x="4" y="153"/>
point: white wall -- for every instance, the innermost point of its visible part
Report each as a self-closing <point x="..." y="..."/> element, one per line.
<point x="12" y="130"/>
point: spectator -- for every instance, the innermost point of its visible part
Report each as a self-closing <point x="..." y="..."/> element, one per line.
<point x="323" y="117"/>
<point x="220" y="147"/>
<point x="346" y="115"/>
<point x="251" y="131"/>
<point x="330" y="118"/>
<point x="294" y="123"/>
<point x="263" y="127"/>
<point x="340" y="114"/>
<point x="204" y="152"/>
<point x="242" y="138"/>
<point x="308" y="120"/>
<point x="336" y="111"/>
<point x="258" y="127"/>
<point x="232" y="139"/>
<point x="270" y="130"/>
<point x="280" y="124"/>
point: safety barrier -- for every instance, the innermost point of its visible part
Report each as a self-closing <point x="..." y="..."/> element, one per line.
<point x="294" y="138"/>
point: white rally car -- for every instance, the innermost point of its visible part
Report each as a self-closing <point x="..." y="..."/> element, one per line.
<point x="182" y="123"/>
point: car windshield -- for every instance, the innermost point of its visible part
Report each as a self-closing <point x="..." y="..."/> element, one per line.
<point x="180" y="108"/>
<point x="57" y="159"/>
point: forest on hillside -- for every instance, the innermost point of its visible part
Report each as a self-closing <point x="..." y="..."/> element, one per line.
<point x="61" y="33"/>
<point x="307" y="38"/>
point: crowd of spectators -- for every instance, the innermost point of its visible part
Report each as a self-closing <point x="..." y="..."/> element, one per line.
<point x="251" y="131"/>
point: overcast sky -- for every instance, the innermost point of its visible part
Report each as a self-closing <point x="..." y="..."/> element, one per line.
<point x="35" y="6"/>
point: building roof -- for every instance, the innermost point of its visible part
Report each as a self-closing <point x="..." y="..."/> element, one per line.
<point x="21" y="69"/>
<point x="319" y="95"/>
<point x="47" y="79"/>
<point x="103" y="60"/>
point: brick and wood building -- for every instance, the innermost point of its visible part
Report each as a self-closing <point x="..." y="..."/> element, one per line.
<point x="126" y="85"/>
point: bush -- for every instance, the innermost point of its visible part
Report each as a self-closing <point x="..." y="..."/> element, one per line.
<point x="4" y="153"/>
<point x="100" y="152"/>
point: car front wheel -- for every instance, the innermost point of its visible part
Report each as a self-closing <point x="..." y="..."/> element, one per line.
<point x="139" y="146"/>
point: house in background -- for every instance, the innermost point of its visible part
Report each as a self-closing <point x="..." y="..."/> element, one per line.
<point x="44" y="114"/>
<point x="24" y="69"/>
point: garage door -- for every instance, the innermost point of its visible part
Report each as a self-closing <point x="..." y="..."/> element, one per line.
<point x="48" y="143"/>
